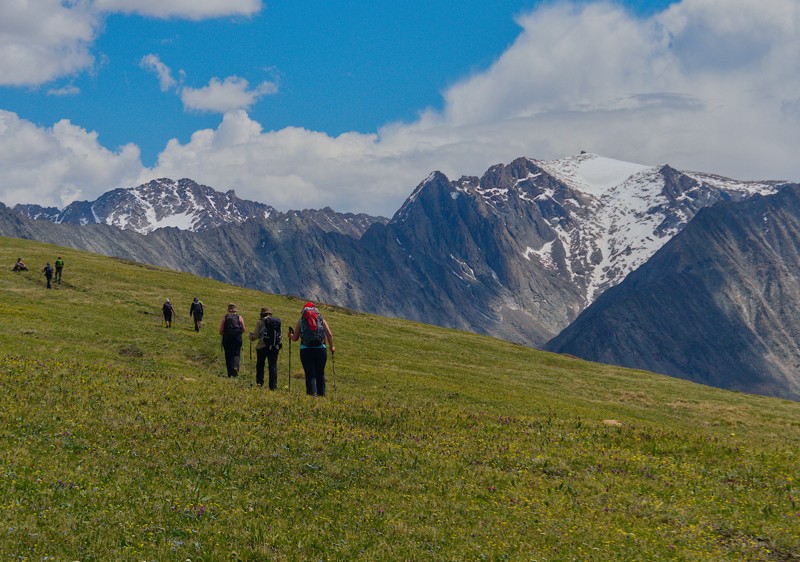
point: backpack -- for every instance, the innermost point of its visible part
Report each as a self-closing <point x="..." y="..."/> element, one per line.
<point x="198" y="308"/>
<point x="232" y="325"/>
<point x="48" y="271"/>
<point x="271" y="335"/>
<point x="312" y="330"/>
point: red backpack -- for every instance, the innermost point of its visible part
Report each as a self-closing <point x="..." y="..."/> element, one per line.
<point x="312" y="329"/>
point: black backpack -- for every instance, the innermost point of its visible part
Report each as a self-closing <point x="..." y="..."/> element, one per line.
<point x="232" y="325"/>
<point x="271" y="336"/>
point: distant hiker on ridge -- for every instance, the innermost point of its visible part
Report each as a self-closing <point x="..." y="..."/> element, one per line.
<point x="231" y="329"/>
<point x="168" y="311"/>
<point x="268" y="334"/>
<point x="312" y="330"/>
<point x="48" y="274"/>
<point x="196" y="312"/>
<point x="59" y="268"/>
<point x="19" y="266"/>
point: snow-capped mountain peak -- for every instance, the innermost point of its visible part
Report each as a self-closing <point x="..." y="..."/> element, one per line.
<point x="181" y="204"/>
<point x="186" y="205"/>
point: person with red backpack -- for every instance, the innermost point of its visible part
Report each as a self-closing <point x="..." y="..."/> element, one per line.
<point x="231" y="329"/>
<point x="268" y="334"/>
<point x="312" y="330"/>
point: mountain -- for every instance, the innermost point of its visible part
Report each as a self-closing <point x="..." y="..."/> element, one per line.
<point x="186" y="205"/>
<point x="517" y="253"/>
<point x="719" y="304"/>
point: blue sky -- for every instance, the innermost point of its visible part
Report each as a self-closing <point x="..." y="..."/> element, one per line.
<point x="306" y="104"/>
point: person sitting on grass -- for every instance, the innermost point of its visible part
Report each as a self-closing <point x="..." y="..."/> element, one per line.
<point x="19" y="266"/>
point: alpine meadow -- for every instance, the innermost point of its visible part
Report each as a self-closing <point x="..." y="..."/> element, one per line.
<point x="121" y="440"/>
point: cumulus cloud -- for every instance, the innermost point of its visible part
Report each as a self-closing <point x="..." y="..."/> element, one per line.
<point x="289" y="168"/>
<point x="153" y="64"/>
<point x="222" y="96"/>
<point x="189" y="9"/>
<point x="44" y="39"/>
<point x="57" y="165"/>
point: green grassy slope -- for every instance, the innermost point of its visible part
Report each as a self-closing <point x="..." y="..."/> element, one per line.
<point x="122" y="441"/>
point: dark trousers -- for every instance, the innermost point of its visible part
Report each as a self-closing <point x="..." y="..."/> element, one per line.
<point x="49" y="278"/>
<point x="313" y="360"/>
<point x="233" y="348"/>
<point x="197" y="321"/>
<point x="269" y="356"/>
<point x="58" y="275"/>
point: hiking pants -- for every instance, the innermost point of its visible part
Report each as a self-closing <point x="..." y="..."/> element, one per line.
<point x="313" y="360"/>
<point x="198" y="318"/>
<point x="49" y="278"/>
<point x="233" y="348"/>
<point x="58" y="275"/>
<point x="271" y="356"/>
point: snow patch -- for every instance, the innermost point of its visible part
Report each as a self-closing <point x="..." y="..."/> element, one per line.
<point x="543" y="254"/>
<point x="590" y="173"/>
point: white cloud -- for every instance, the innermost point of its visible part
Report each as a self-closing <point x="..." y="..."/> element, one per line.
<point x="44" y="39"/>
<point x="189" y="9"/>
<point x="60" y="164"/>
<point x="68" y="90"/>
<point x="222" y="96"/>
<point x="153" y="64"/>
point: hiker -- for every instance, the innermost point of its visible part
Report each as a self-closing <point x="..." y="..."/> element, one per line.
<point x="312" y="330"/>
<point x="231" y="329"/>
<point x="168" y="311"/>
<point x="19" y="266"/>
<point x="48" y="274"/>
<point x="59" y="268"/>
<point x="268" y="334"/>
<point x="196" y="312"/>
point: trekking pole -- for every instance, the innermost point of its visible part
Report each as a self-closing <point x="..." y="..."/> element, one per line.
<point x="291" y="333"/>
<point x="333" y="360"/>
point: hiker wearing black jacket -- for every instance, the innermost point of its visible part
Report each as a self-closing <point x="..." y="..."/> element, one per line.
<point x="48" y="274"/>
<point x="168" y="311"/>
<point x="196" y="312"/>
<point x="268" y="334"/>
<point x="231" y="329"/>
<point x="312" y="330"/>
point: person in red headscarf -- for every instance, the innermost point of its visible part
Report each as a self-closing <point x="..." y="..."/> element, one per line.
<point x="312" y="330"/>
